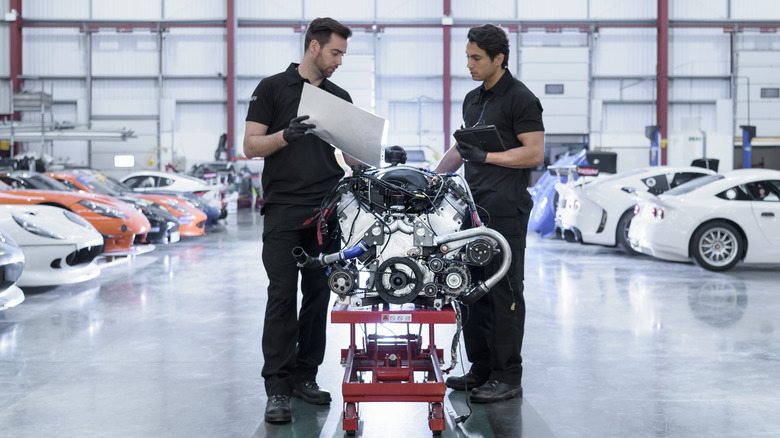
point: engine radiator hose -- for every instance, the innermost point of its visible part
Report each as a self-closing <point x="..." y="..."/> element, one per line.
<point x="306" y="261"/>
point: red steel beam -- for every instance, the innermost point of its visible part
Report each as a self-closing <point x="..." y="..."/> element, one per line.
<point x="662" y="89"/>
<point x="16" y="45"/>
<point x="230" y="79"/>
<point x="15" y="58"/>
<point x="447" y="76"/>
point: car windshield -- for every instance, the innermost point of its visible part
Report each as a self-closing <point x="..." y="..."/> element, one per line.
<point x="44" y="182"/>
<point x="693" y="185"/>
<point x="113" y="183"/>
<point x="96" y="186"/>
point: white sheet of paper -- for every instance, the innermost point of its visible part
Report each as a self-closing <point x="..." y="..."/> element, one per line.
<point x="354" y="130"/>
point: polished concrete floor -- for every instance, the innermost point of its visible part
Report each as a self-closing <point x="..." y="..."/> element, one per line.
<point x="168" y="345"/>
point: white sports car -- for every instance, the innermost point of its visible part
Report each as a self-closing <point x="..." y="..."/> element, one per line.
<point x="600" y="211"/>
<point x="155" y="181"/>
<point x="715" y="220"/>
<point x="11" y="266"/>
<point x="59" y="246"/>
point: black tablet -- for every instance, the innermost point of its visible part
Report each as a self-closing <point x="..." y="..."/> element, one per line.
<point x="485" y="137"/>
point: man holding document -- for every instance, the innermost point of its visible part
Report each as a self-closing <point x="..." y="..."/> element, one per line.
<point x="300" y="170"/>
<point x="503" y="137"/>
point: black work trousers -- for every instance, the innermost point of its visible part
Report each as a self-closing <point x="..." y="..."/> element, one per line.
<point x="494" y="326"/>
<point x="293" y="343"/>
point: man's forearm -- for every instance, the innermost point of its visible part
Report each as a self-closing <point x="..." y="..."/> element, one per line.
<point x="263" y="145"/>
<point x="530" y="155"/>
<point x="517" y="158"/>
<point x="450" y="162"/>
<point x="352" y="161"/>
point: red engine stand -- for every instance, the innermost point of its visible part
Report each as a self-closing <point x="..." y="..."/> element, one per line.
<point x="392" y="362"/>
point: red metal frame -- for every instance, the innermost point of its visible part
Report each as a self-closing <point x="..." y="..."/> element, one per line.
<point x="662" y="88"/>
<point x="392" y="368"/>
<point x="230" y="79"/>
<point x="447" y="76"/>
<point x="15" y="37"/>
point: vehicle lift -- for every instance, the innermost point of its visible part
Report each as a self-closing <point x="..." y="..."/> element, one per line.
<point x="401" y="370"/>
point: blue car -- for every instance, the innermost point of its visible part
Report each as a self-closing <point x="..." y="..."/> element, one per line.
<point x="545" y="197"/>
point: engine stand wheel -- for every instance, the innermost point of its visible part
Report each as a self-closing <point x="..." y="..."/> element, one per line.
<point x="436" y="418"/>
<point x="350" y="420"/>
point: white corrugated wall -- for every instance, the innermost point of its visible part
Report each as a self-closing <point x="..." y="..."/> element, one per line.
<point x="608" y="76"/>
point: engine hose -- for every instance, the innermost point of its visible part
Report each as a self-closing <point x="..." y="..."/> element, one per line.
<point x="355" y="251"/>
<point x="482" y="288"/>
<point x="306" y="261"/>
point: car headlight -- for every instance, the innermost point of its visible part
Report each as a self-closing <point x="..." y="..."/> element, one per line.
<point x="35" y="229"/>
<point x="136" y="205"/>
<point x="176" y="207"/>
<point x="102" y="209"/>
<point x="76" y="219"/>
<point x="186" y="219"/>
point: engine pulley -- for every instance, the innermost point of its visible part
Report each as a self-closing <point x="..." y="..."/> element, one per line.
<point x="479" y="252"/>
<point x="456" y="279"/>
<point x="430" y="290"/>
<point x="435" y="264"/>
<point x="341" y="282"/>
<point x="399" y="280"/>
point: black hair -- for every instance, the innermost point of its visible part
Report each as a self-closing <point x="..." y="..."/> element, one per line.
<point x="320" y="29"/>
<point x="492" y="39"/>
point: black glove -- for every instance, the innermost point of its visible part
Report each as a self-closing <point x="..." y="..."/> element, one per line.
<point x="296" y="129"/>
<point x="471" y="153"/>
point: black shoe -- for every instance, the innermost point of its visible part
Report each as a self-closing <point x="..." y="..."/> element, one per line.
<point x="277" y="410"/>
<point x="494" y="391"/>
<point x="310" y="392"/>
<point x="466" y="382"/>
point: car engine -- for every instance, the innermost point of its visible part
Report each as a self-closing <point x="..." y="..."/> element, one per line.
<point x="403" y="240"/>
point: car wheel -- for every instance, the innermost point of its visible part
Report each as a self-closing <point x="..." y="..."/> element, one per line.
<point x="717" y="246"/>
<point x="621" y="234"/>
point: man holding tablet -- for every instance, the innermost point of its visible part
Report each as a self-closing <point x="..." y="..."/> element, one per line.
<point x="498" y="173"/>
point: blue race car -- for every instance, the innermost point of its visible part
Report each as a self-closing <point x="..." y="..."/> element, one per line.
<point x="545" y="197"/>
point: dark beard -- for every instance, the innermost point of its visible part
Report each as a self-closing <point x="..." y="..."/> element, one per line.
<point x="324" y="71"/>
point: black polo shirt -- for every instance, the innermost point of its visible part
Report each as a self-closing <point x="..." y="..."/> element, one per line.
<point x="303" y="172"/>
<point x="513" y="109"/>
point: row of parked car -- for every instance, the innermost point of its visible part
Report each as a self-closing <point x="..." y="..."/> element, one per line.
<point x="682" y="214"/>
<point x="54" y="225"/>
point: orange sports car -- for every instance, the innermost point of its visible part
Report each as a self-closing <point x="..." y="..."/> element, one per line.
<point x="117" y="221"/>
<point x="192" y="221"/>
